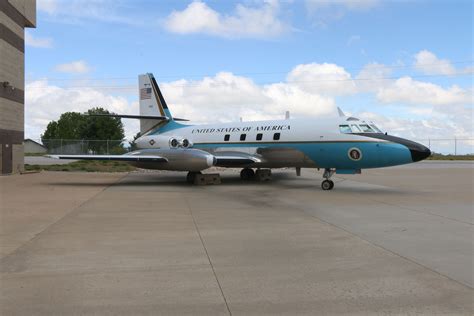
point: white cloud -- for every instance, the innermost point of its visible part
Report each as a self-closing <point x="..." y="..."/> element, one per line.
<point x="437" y="131"/>
<point x="32" y="41"/>
<point x="327" y="79"/>
<point x="428" y="63"/>
<point x="45" y="102"/>
<point x="226" y="97"/>
<point x="373" y="77"/>
<point x="353" y="39"/>
<point x="434" y="111"/>
<point x="222" y="98"/>
<point x="409" y="91"/>
<point x="325" y="11"/>
<point x="257" y="22"/>
<point x="48" y="6"/>
<point x="348" y="4"/>
<point x="81" y="11"/>
<point x="74" y="67"/>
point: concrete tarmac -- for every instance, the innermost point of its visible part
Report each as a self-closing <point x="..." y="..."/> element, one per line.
<point x="389" y="241"/>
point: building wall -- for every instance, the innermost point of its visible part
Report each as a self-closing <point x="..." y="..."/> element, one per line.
<point x="33" y="148"/>
<point x="15" y="15"/>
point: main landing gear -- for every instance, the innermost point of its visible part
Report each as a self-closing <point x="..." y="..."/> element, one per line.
<point x="191" y="176"/>
<point x="247" y="174"/>
<point x="327" y="184"/>
<point x="260" y="175"/>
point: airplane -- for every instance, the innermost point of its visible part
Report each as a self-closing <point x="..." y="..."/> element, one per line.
<point x="343" y="145"/>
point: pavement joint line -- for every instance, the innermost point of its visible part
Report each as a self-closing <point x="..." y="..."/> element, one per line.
<point x="415" y="210"/>
<point x="208" y="257"/>
<point x="376" y="245"/>
<point x="47" y="228"/>
<point x="423" y="212"/>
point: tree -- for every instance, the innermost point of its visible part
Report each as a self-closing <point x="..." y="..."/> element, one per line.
<point x="68" y="126"/>
<point x="77" y="126"/>
<point x="95" y="127"/>
<point x="133" y="144"/>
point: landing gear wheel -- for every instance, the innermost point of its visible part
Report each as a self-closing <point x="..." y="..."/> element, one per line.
<point x="191" y="175"/>
<point x="327" y="185"/>
<point x="247" y="174"/>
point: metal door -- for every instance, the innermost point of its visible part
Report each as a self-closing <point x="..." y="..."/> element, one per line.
<point x="7" y="158"/>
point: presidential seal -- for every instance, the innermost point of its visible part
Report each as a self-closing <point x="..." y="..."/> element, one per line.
<point x="354" y="154"/>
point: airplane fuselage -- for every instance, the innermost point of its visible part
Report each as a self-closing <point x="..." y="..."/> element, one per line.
<point x="293" y="143"/>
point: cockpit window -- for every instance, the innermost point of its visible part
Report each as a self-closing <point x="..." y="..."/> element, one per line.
<point x="345" y="129"/>
<point x="355" y="129"/>
<point x="366" y="128"/>
<point x="375" y="128"/>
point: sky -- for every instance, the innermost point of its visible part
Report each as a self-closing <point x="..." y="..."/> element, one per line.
<point x="407" y="65"/>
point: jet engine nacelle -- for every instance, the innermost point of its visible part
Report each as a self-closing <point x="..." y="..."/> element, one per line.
<point x="163" y="142"/>
<point x="180" y="159"/>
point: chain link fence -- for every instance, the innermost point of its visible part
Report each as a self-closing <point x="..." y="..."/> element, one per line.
<point x="85" y="147"/>
<point x="448" y="146"/>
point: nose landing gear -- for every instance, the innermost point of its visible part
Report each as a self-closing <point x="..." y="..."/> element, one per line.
<point x="327" y="184"/>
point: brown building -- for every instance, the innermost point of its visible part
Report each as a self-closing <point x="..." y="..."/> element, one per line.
<point x="15" y="15"/>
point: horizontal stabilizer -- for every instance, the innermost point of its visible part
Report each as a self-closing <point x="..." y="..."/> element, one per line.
<point x="147" y="158"/>
<point x="138" y="117"/>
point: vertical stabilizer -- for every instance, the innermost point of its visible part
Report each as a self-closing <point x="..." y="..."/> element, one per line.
<point x="152" y="102"/>
<point x="341" y="113"/>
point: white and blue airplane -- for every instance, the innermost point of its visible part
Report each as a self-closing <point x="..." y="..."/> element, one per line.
<point x="343" y="145"/>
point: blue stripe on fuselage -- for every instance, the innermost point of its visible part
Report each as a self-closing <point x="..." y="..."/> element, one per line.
<point x="335" y="154"/>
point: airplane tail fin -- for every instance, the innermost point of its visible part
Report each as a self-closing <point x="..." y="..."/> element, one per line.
<point x="152" y="102"/>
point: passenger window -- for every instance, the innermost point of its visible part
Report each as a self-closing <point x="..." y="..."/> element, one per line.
<point x="366" y="128"/>
<point x="243" y="136"/>
<point x="345" y="129"/>
<point x="276" y="136"/>
<point x="226" y="137"/>
<point x="259" y="136"/>
<point x="355" y="128"/>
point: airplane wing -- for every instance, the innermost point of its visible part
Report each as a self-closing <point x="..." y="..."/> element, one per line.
<point x="139" y="117"/>
<point x="222" y="159"/>
<point x="234" y="159"/>
<point x="144" y="158"/>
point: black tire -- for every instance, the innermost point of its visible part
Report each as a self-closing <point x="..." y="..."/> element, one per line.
<point x="247" y="174"/>
<point x="327" y="185"/>
<point x="191" y="176"/>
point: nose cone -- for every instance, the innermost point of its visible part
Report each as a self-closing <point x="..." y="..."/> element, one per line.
<point x="419" y="152"/>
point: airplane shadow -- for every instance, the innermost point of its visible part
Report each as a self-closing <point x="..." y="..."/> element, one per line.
<point x="285" y="181"/>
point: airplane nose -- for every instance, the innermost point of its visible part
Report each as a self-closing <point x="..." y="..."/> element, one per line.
<point x="419" y="152"/>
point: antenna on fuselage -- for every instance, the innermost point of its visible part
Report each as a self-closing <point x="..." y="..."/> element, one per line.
<point x="287" y="115"/>
<point x="341" y="113"/>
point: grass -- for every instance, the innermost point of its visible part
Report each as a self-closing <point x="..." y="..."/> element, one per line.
<point x="85" y="166"/>
<point x="450" y="157"/>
